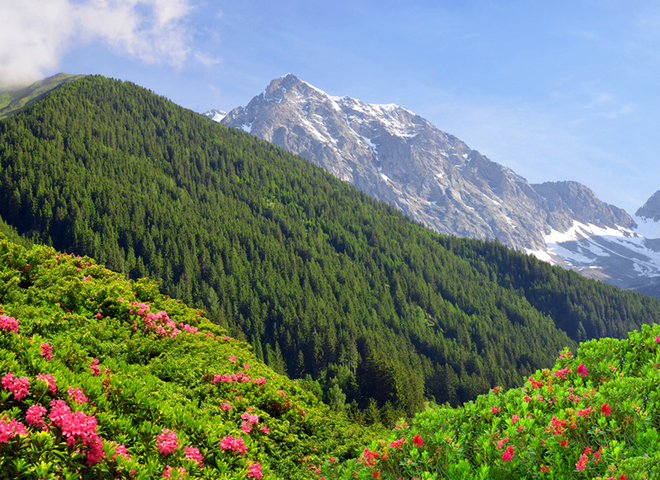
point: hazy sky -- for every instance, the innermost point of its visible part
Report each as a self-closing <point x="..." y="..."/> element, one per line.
<point x="559" y="90"/>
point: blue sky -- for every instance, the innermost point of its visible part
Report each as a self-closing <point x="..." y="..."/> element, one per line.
<point x="561" y="90"/>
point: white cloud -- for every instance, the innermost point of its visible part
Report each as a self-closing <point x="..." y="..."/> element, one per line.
<point x="35" y="34"/>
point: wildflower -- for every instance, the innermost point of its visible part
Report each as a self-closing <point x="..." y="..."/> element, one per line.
<point x="397" y="443"/>
<point x="507" y="455"/>
<point x="192" y="453"/>
<point x="94" y="367"/>
<point x="265" y="429"/>
<point x="120" y="452"/>
<point x="514" y="419"/>
<point x="47" y="351"/>
<point x="11" y="428"/>
<point x="233" y="444"/>
<point x="18" y="386"/>
<point x="232" y="358"/>
<point x="254" y="470"/>
<point x="50" y="380"/>
<point x="35" y="416"/>
<point x="77" y="395"/>
<point x="179" y="473"/>
<point x="167" y="441"/>
<point x="562" y="373"/>
<point x="545" y="468"/>
<point x="8" y="323"/>
<point x="494" y="409"/>
<point x="582" y="370"/>
<point x="418" y="441"/>
<point x="606" y="409"/>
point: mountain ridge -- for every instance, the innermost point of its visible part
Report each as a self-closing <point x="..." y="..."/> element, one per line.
<point x="397" y="156"/>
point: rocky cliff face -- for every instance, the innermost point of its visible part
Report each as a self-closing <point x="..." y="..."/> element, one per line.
<point x="651" y="209"/>
<point x="396" y="156"/>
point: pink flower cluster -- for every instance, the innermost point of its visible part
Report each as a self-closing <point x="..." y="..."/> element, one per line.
<point x="120" y="452"/>
<point x="254" y="470"/>
<point x="94" y="367"/>
<point x="193" y="453"/>
<point x="11" y="428"/>
<point x="233" y="444"/>
<point x="20" y="387"/>
<point x="397" y="443"/>
<point x="8" y="323"/>
<point x="167" y="442"/>
<point x="77" y="426"/>
<point x="507" y="455"/>
<point x="160" y="322"/>
<point x="46" y="351"/>
<point x="77" y="395"/>
<point x="50" y="380"/>
<point x="239" y="377"/>
<point x="179" y="473"/>
<point x="35" y="416"/>
<point x="248" y="421"/>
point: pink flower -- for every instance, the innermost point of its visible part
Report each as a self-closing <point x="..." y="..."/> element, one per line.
<point x="94" y="367"/>
<point x="20" y="387"/>
<point x="50" y="380"/>
<point x="11" y="428"/>
<point x="167" y="442"/>
<point x="120" y="452"/>
<point x="657" y="339"/>
<point x="233" y="444"/>
<point x="179" y="473"/>
<point x="606" y="409"/>
<point x="507" y="455"/>
<point x="232" y="358"/>
<point x="265" y="429"/>
<point x="254" y="470"/>
<point x="46" y="351"/>
<point x="562" y="373"/>
<point x="582" y="370"/>
<point x="397" y="443"/>
<point x="77" y="395"/>
<point x="8" y="323"/>
<point x="514" y="419"/>
<point x="34" y="416"/>
<point x="246" y="427"/>
<point x="250" y="418"/>
<point x="418" y="441"/>
<point x="193" y="453"/>
<point x="494" y="409"/>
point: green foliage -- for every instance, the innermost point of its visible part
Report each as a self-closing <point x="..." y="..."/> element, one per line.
<point x="146" y="363"/>
<point x="595" y="415"/>
<point x="317" y="276"/>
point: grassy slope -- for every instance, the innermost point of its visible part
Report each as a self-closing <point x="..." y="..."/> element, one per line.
<point x="155" y="381"/>
<point x="17" y="98"/>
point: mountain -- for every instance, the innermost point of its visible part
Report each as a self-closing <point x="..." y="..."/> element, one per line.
<point x="375" y="312"/>
<point x="216" y="115"/>
<point x="396" y="156"/>
<point x="15" y="98"/>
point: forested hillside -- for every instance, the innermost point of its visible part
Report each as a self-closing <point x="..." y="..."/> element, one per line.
<point x="325" y="283"/>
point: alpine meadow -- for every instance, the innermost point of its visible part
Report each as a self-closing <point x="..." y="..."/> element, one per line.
<point x="215" y="307"/>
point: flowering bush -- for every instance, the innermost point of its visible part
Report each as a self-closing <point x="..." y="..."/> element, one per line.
<point x="594" y="415"/>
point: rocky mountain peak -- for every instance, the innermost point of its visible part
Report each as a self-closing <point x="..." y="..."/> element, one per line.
<point x="398" y="157"/>
<point x="651" y="209"/>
